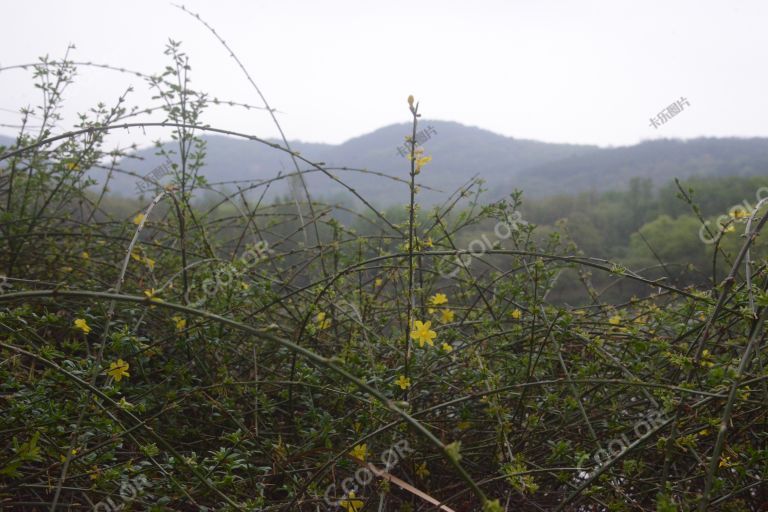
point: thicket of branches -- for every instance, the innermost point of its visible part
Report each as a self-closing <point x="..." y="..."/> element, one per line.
<point x="252" y="355"/>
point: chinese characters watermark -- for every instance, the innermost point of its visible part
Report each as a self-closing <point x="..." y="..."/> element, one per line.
<point x="156" y="173"/>
<point x="422" y="136"/>
<point x="669" y="112"/>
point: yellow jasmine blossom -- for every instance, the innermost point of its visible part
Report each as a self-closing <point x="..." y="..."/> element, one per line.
<point x="350" y="504"/>
<point x="72" y="452"/>
<point x="725" y="462"/>
<point x="378" y="282"/>
<point x="744" y="393"/>
<point x="738" y="213"/>
<point x="729" y="229"/>
<point x="446" y="316"/>
<point x="615" y="320"/>
<point x="360" y="451"/>
<point x="125" y="404"/>
<point x="181" y="323"/>
<point x="437" y="299"/>
<point x="151" y="295"/>
<point x="446" y="347"/>
<point x="138" y="219"/>
<point x="428" y="242"/>
<point x="118" y="370"/>
<point x="403" y="381"/>
<point x="81" y="324"/>
<point x="421" y="162"/>
<point x="516" y="314"/>
<point x="422" y="471"/>
<point x="85" y="255"/>
<point x="135" y="255"/>
<point x="150" y="263"/>
<point x="706" y="357"/>
<point x="321" y="321"/>
<point x="423" y="334"/>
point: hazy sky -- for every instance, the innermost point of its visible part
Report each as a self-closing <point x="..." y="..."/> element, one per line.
<point x="589" y="71"/>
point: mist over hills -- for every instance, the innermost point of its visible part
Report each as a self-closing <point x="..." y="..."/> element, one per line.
<point x="460" y="152"/>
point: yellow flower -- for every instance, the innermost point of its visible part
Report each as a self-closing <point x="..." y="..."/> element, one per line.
<point x="725" y="462"/>
<point x="428" y="242"/>
<point x="85" y="255"/>
<point x="72" y="452"/>
<point x="138" y="219"/>
<point x="447" y="347"/>
<point x="410" y="100"/>
<point x="360" y="451"/>
<point x="150" y="263"/>
<point x="81" y="324"/>
<point x="516" y="314"/>
<point x="437" y="299"/>
<point x="125" y="404"/>
<point x="446" y="316"/>
<point x="423" y="334"/>
<point x="118" y="370"/>
<point x="151" y="295"/>
<point x="729" y="229"/>
<point x="181" y="323"/>
<point x="738" y="213"/>
<point x="403" y="381"/>
<point x="422" y="471"/>
<point x="135" y="255"/>
<point x="321" y="321"/>
<point x="421" y="162"/>
<point x="350" y="504"/>
<point x="744" y="393"/>
<point x="378" y="282"/>
<point x="615" y="320"/>
<point x="94" y="475"/>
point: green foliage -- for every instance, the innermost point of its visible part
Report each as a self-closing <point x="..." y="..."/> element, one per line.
<point x="240" y="354"/>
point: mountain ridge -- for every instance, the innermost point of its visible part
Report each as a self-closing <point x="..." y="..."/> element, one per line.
<point x="460" y="152"/>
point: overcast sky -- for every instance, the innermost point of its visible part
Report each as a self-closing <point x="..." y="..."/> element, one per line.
<point x="588" y="71"/>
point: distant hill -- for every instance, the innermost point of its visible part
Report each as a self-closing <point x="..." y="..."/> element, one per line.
<point x="460" y="152"/>
<point x="659" y="161"/>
